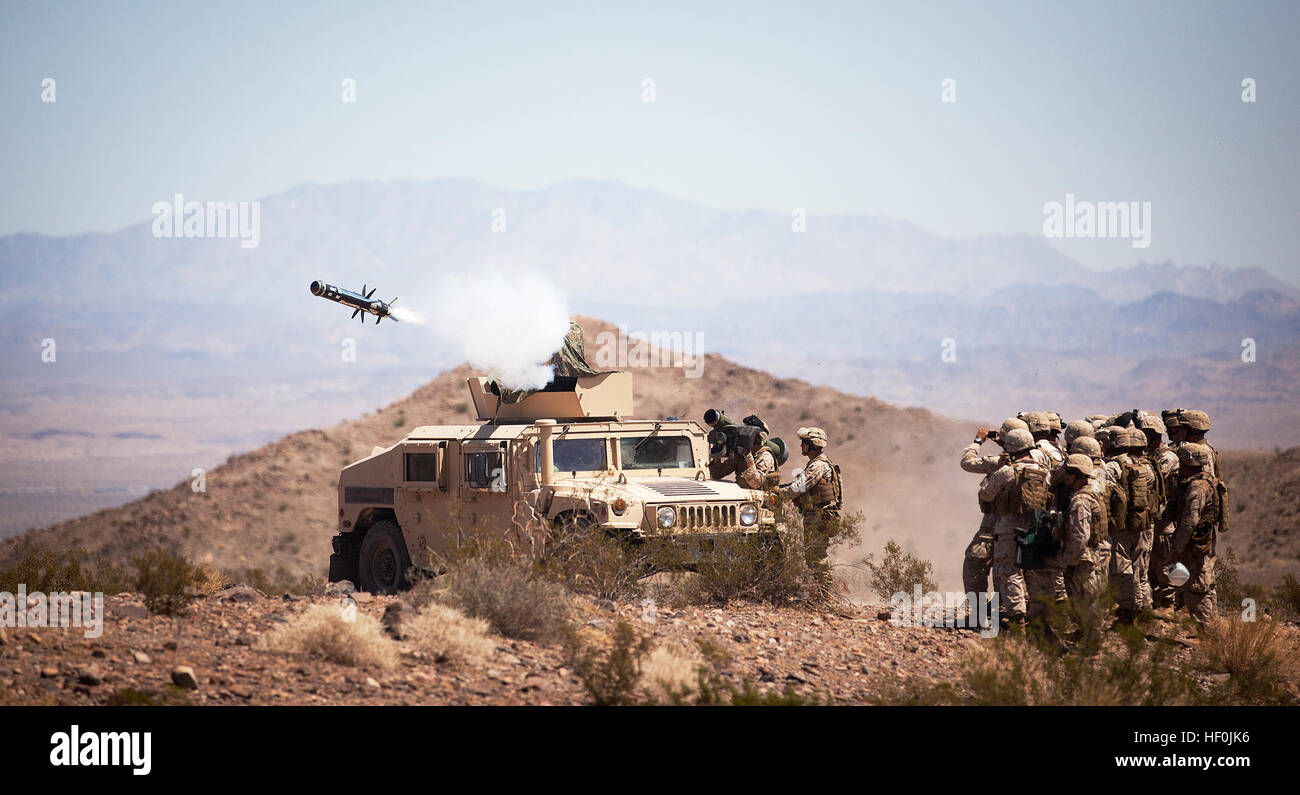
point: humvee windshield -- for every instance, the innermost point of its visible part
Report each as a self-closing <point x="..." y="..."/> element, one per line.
<point x="656" y="452"/>
<point x="574" y="455"/>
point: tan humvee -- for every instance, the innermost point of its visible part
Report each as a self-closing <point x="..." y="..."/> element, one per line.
<point x="564" y="456"/>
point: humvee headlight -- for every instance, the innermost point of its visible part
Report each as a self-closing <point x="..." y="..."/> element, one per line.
<point x="667" y="516"/>
<point x="748" y="515"/>
<point x="619" y="506"/>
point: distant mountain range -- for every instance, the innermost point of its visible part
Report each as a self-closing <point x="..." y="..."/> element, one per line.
<point x="217" y="348"/>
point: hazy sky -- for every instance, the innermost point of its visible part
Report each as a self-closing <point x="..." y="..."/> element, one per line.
<point x="833" y="108"/>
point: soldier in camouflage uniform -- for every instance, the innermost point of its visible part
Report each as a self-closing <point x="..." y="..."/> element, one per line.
<point x="1195" y="425"/>
<point x="818" y="499"/>
<point x="1071" y="571"/>
<point x="1199" y="523"/>
<point x="1014" y="490"/>
<point x="978" y="561"/>
<point x="1130" y="545"/>
<point x="758" y="469"/>
<point x="1164" y="462"/>
<point x="1044" y="433"/>
<point x="1099" y="550"/>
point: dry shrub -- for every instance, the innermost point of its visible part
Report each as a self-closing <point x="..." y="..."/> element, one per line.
<point x="670" y="674"/>
<point x="593" y="563"/>
<point x="166" y="581"/>
<point x="208" y="581"/>
<point x="756" y="569"/>
<point x="899" y="572"/>
<point x="323" y="632"/>
<point x="515" y="602"/>
<point x="609" y="675"/>
<point x="449" y="636"/>
<point x="42" y="569"/>
<point x="1258" y="656"/>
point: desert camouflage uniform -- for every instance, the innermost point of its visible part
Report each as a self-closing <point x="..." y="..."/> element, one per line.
<point x="816" y="506"/>
<point x="1162" y="592"/>
<point x="1052" y="453"/>
<point x="1008" y="577"/>
<point x="1127" y="549"/>
<point x="1198" y="594"/>
<point x="1085" y="534"/>
<point x="978" y="561"/>
<point x="758" y="471"/>
<point x="1100" y="549"/>
<point x="1146" y="538"/>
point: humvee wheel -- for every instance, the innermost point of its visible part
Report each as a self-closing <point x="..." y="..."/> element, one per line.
<point x="384" y="559"/>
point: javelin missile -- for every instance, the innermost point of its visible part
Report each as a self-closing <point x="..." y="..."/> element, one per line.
<point x="362" y="303"/>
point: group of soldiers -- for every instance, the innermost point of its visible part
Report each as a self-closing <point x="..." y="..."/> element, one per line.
<point x="1112" y="505"/>
<point x="816" y="492"/>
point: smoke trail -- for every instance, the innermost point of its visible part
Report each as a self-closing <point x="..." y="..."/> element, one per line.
<point x="509" y="323"/>
<point x="407" y="315"/>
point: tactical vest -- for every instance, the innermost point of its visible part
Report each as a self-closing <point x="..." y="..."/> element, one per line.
<point x="1207" y="524"/>
<point x="1098" y="532"/>
<point x="1137" y="492"/>
<point x="826" y="495"/>
<point x="1027" y="493"/>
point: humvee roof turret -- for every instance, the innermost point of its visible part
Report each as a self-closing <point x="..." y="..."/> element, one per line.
<point x="567" y="455"/>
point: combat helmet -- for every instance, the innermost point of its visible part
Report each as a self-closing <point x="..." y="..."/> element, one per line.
<point x="1194" y="456"/>
<point x="1133" y="438"/>
<point x="1147" y="421"/>
<point x="1195" y="420"/>
<point x="1017" y="441"/>
<point x="1037" y="421"/>
<point x="1076" y="428"/>
<point x="1010" y="424"/>
<point x="1086" y="445"/>
<point x="1080" y="463"/>
<point x="814" y="436"/>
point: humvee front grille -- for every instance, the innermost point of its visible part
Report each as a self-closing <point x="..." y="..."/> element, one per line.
<point x="698" y="517"/>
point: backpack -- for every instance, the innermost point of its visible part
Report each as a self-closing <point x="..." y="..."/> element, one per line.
<point x="1029" y="492"/>
<point x="1116" y="506"/>
<point x="1221" y="498"/>
<point x="1137" y="492"/>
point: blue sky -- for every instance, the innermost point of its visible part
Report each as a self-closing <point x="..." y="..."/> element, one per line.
<point x="830" y="107"/>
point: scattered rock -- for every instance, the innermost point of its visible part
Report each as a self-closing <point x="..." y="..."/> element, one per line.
<point x="371" y="683"/>
<point x="334" y="589"/>
<point x="288" y="597"/>
<point x="241" y="593"/>
<point x="140" y="657"/>
<point x="1220" y="678"/>
<point x="361" y="597"/>
<point x="131" y="611"/>
<point x="36" y="639"/>
<point x="242" y="691"/>
<point x="183" y="677"/>
<point x="100" y="653"/>
<point x="49" y="672"/>
<point x="4" y="637"/>
<point x="170" y="645"/>
<point x="90" y="676"/>
<point x="394" y="616"/>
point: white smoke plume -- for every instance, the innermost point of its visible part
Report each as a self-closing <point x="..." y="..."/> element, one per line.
<point x="407" y="315"/>
<point x="506" y="322"/>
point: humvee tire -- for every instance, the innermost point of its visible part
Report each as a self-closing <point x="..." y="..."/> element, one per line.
<point x="384" y="559"/>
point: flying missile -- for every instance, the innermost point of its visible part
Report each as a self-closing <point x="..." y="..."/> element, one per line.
<point x="362" y="303"/>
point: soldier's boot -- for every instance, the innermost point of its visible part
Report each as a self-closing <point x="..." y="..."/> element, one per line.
<point x="1125" y="616"/>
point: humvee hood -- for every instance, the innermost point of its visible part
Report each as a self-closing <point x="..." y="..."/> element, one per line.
<point x="659" y="490"/>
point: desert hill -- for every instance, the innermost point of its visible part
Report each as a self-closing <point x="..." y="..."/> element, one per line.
<point x="274" y="508"/>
